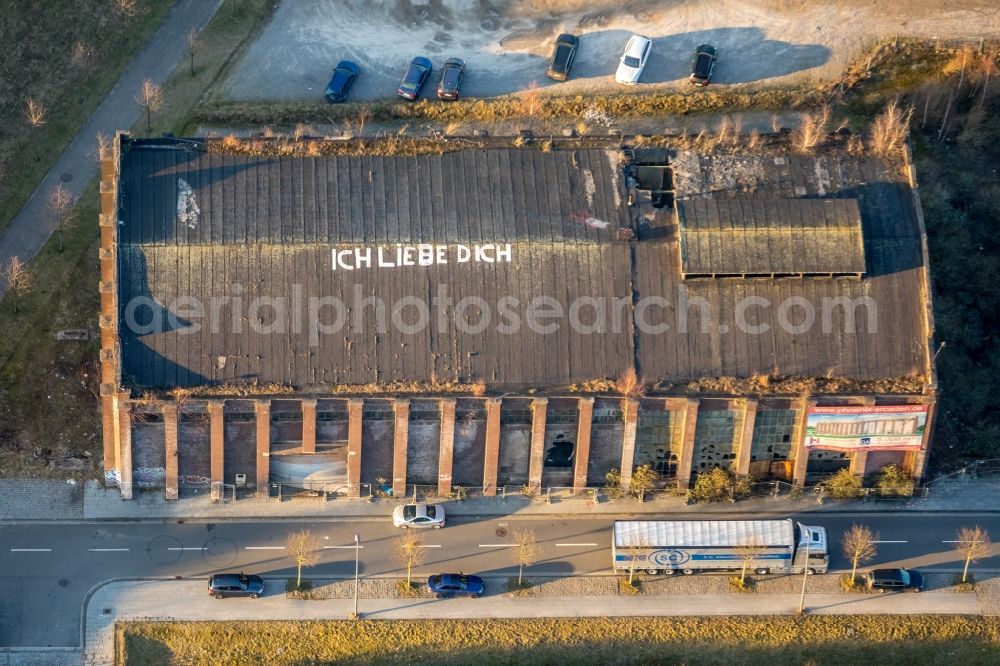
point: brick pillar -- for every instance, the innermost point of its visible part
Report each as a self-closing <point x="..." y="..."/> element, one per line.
<point x="801" y="464"/>
<point x="446" y="450"/>
<point x="400" y="442"/>
<point x="109" y="433"/>
<point x="745" y="434"/>
<point x="309" y="425"/>
<point x="491" y="458"/>
<point x="217" y="443"/>
<point x="263" y="410"/>
<point x="536" y="458"/>
<point x="582" y="453"/>
<point x="859" y="463"/>
<point x="687" y="444"/>
<point x="916" y="461"/>
<point x="355" y="413"/>
<point x="170" y="443"/>
<point x="630" y="408"/>
<point x="859" y="459"/>
<point x="123" y="461"/>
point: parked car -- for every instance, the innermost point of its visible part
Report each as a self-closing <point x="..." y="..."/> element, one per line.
<point x="235" y="585"/>
<point x="416" y="76"/>
<point x="455" y="585"/>
<point x="344" y="76"/>
<point x="563" y="56"/>
<point x="418" y="515"/>
<point x="895" y="579"/>
<point x="702" y="65"/>
<point x="633" y="59"/>
<point x="451" y="78"/>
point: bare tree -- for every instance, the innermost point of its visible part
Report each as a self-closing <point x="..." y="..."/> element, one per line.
<point x="60" y="205"/>
<point x="125" y="9"/>
<point x="18" y="278"/>
<point x="748" y="552"/>
<point x="193" y="43"/>
<point x="36" y="113"/>
<point x="858" y="544"/>
<point x="890" y="129"/>
<point x="525" y="551"/>
<point x="409" y="553"/>
<point x="633" y="557"/>
<point x="643" y="480"/>
<point x="150" y="99"/>
<point x="530" y="102"/>
<point x="812" y="131"/>
<point x="974" y="544"/>
<point x="304" y="548"/>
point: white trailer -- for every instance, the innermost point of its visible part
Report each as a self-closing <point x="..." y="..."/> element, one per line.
<point x="687" y="546"/>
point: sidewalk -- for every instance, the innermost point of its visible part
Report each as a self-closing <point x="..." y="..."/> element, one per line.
<point x="76" y="166"/>
<point x="953" y="495"/>
<point x="186" y="600"/>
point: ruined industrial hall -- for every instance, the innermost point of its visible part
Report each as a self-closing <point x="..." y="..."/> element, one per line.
<point x="488" y="316"/>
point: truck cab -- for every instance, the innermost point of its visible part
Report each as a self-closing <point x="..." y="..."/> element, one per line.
<point x="812" y="552"/>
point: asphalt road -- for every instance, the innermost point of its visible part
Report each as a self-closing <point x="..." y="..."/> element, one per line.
<point x="47" y="569"/>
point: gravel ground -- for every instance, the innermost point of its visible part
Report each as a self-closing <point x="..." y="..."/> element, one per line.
<point x="506" y="43"/>
<point x="602" y="586"/>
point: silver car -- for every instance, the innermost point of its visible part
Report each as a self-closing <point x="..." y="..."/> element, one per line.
<point x="418" y="515"/>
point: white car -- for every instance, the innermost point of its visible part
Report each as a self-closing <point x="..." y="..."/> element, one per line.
<point x="634" y="59"/>
<point x="418" y="515"/>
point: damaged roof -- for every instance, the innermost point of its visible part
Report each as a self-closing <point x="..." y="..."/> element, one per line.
<point x="271" y="270"/>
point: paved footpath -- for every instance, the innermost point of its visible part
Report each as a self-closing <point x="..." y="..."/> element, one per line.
<point x="30" y="228"/>
<point x="186" y="600"/>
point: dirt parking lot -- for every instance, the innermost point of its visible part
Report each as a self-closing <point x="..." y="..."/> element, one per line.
<point x="507" y="43"/>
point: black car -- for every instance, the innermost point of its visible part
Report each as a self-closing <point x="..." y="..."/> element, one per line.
<point x="235" y="585"/>
<point x="895" y="579"/>
<point x="455" y="585"/>
<point x="451" y="78"/>
<point x="416" y="76"/>
<point x="344" y="75"/>
<point x="702" y="65"/>
<point x="563" y="56"/>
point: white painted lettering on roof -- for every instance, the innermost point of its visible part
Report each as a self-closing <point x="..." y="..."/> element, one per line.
<point x="423" y="254"/>
<point x="187" y="205"/>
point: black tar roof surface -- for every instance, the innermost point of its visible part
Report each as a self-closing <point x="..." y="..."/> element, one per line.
<point x="273" y="227"/>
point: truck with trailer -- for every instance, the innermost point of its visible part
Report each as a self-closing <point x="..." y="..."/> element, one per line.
<point x="689" y="546"/>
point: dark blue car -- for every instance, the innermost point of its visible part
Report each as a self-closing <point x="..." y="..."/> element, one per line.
<point x="344" y="75"/>
<point x="455" y="585"/>
<point x="416" y="76"/>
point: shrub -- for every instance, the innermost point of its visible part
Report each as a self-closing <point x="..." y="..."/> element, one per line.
<point x="613" y="483"/>
<point x="894" y="481"/>
<point x="847" y="584"/>
<point x="626" y="587"/>
<point x="842" y="485"/>
<point x="744" y="586"/>
<point x="719" y="485"/>
<point x="643" y="480"/>
<point x="408" y="589"/>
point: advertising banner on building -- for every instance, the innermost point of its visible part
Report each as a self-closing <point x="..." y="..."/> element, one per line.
<point x="896" y="428"/>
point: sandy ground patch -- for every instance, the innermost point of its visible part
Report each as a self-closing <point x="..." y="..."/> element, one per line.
<point x="506" y="43"/>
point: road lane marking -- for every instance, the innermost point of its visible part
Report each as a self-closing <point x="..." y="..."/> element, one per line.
<point x="187" y="548"/>
<point x="496" y="545"/>
<point x="31" y="550"/>
<point x="572" y="545"/>
<point x="265" y="548"/>
<point x="343" y="547"/>
<point x="890" y="542"/>
<point x="428" y="545"/>
<point x="108" y="550"/>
